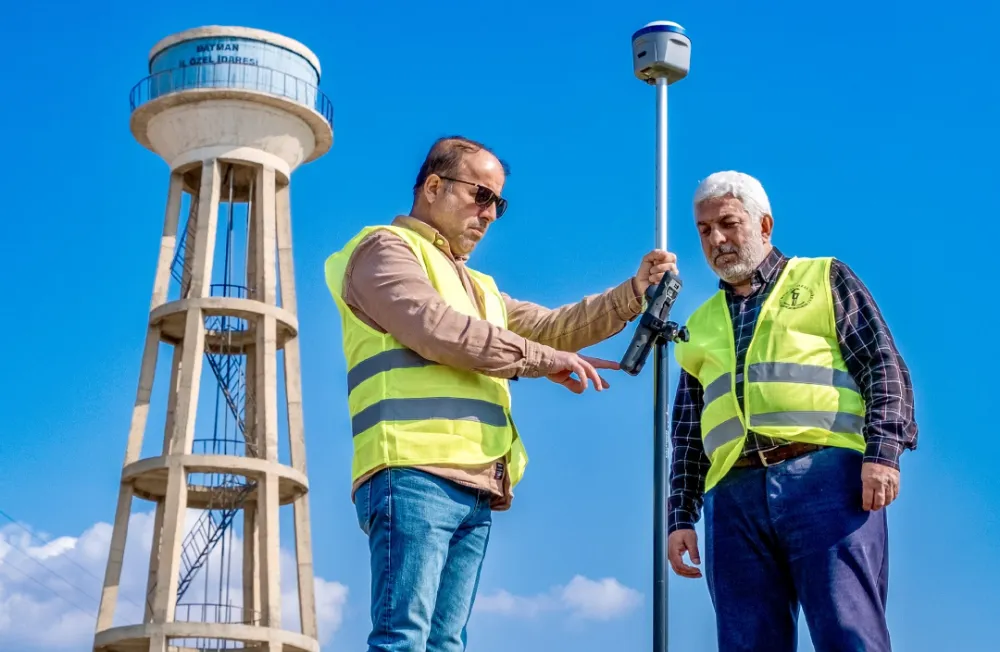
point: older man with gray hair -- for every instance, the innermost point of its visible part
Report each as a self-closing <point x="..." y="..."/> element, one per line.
<point x="792" y="410"/>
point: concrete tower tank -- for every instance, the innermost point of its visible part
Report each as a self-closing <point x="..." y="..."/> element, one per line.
<point x="233" y="112"/>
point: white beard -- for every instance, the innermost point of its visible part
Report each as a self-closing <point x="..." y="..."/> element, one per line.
<point x="747" y="260"/>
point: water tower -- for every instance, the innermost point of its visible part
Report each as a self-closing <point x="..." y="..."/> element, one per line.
<point x="233" y="111"/>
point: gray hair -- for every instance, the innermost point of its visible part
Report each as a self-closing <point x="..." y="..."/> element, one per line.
<point x="742" y="186"/>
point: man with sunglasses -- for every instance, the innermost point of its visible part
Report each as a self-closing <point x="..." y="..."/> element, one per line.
<point x="431" y="346"/>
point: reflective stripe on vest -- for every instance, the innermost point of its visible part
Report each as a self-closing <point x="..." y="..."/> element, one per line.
<point x="406" y="410"/>
<point x="413" y="409"/>
<point x="781" y="372"/>
<point x="796" y="382"/>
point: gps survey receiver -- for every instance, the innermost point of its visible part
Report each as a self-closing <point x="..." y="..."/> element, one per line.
<point x="653" y="324"/>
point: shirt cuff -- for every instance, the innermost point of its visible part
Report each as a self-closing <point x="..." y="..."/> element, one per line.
<point x="539" y="360"/>
<point x="680" y="519"/>
<point x="628" y="303"/>
<point x="884" y="451"/>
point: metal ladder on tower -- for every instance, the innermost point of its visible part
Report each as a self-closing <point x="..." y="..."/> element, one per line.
<point x="231" y="492"/>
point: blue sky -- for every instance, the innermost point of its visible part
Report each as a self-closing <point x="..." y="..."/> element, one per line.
<point x="871" y="127"/>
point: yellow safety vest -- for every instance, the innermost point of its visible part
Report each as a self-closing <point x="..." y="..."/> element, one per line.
<point x="406" y="410"/>
<point x="796" y="384"/>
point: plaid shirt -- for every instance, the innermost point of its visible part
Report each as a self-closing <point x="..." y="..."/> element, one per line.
<point x="871" y="357"/>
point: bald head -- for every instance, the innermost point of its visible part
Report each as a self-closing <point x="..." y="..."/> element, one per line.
<point x="458" y="189"/>
<point x="446" y="156"/>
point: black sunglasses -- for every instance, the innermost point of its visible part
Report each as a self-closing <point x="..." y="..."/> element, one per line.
<point x="484" y="196"/>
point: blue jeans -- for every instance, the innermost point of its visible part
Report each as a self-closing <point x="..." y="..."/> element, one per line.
<point x="794" y="534"/>
<point x="428" y="538"/>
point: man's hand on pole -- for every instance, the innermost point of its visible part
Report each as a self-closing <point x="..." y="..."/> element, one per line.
<point x="653" y="266"/>
<point x="679" y="542"/>
<point x="879" y="486"/>
<point x="567" y="363"/>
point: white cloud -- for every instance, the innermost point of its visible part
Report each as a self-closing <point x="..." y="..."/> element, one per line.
<point x="604" y="599"/>
<point x="49" y="592"/>
<point x="582" y="598"/>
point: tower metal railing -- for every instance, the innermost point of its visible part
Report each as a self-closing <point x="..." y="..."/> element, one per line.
<point x="239" y="76"/>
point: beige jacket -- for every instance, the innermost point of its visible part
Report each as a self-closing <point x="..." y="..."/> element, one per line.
<point x="386" y="288"/>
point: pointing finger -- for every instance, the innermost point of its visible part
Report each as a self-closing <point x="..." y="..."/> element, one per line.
<point x="600" y="363"/>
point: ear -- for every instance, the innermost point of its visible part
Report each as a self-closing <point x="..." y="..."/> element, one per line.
<point x="433" y="185"/>
<point x="766" y="226"/>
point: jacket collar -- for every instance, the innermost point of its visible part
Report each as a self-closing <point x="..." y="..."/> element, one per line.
<point x="429" y="233"/>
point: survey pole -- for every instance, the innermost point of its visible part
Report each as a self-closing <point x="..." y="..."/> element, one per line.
<point x="661" y="53"/>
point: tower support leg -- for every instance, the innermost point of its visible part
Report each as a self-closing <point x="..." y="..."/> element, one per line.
<point x="296" y="429"/>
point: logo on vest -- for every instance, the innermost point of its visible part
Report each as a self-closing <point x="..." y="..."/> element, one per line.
<point x="799" y="296"/>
